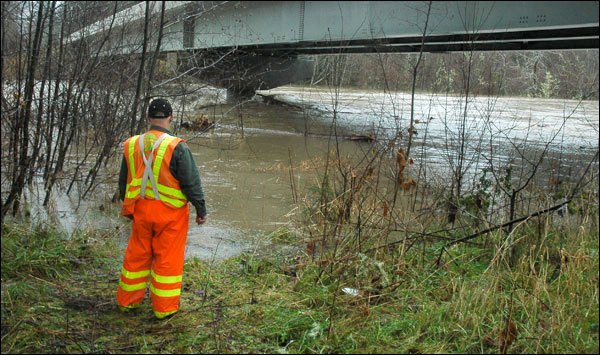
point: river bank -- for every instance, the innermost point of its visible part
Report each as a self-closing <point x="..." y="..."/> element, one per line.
<point x="58" y="297"/>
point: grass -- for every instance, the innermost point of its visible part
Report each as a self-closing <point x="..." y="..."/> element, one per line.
<point x="58" y="296"/>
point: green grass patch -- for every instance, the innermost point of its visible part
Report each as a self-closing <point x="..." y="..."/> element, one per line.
<point x="58" y="296"/>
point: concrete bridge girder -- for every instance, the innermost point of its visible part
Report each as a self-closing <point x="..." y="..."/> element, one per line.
<point x="265" y="39"/>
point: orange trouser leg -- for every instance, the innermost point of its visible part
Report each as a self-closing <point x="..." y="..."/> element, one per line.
<point x="168" y="228"/>
<point x="156" y="248"/>
<point x="135" y="271"/>
<point x="168" y="245"/>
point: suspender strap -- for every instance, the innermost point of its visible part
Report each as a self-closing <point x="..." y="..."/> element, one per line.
<point x="148" y="174"/>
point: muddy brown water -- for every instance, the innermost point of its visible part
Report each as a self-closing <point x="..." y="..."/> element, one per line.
<point x="245" y="160"/>
<point x="247" y="178"/>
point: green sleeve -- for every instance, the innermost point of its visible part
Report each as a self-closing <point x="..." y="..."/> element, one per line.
<point x="184" y="169"/>
<point x="123" y="179"/>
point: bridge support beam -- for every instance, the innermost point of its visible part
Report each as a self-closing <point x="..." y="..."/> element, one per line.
<point x="243" y="74"/>
<point x="257" y="72"/>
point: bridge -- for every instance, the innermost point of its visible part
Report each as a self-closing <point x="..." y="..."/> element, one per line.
<point x="267" y="40"/>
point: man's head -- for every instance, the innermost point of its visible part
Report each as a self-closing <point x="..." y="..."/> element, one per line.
<point x="159" y="108"/>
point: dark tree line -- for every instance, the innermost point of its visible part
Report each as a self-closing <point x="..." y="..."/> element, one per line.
<point x="565" y="74"/>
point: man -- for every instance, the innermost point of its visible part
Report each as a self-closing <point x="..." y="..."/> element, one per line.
<point x="157" y="179"/>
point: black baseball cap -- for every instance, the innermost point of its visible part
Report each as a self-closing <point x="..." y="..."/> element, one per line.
<point x="159" y="108"/>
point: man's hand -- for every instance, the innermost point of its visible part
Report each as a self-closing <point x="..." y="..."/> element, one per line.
<point x="201" y="220"/>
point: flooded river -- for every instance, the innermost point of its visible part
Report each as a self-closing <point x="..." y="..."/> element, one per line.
<point x="246" y="175"/>
<point x="245" y="160"/>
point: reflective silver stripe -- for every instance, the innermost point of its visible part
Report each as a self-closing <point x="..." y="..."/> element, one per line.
<point x="148" y="174"/>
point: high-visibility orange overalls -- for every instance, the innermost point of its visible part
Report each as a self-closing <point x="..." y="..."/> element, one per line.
<point x="160" y="213"/>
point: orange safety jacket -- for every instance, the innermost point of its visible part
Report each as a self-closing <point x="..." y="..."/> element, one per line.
<point x="153" y="168"/>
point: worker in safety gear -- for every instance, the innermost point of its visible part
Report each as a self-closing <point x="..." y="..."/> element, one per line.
<point x="158" y="178"/>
